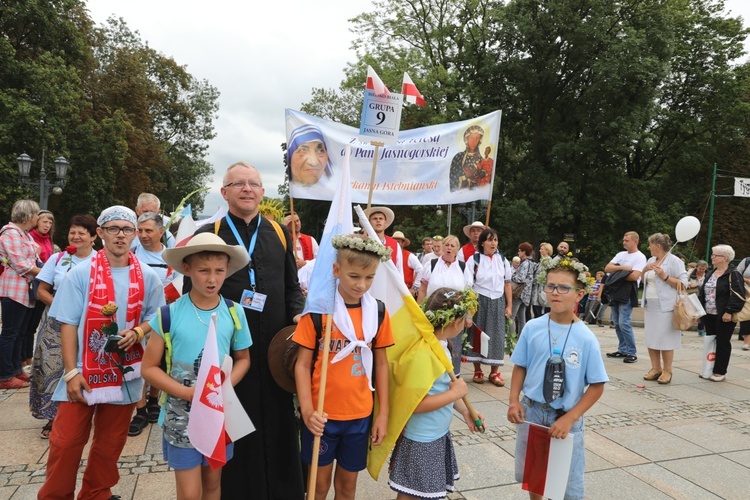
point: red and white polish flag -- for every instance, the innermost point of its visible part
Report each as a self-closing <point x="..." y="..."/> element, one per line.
<point x="410" y="91"/>
<point x="543" y="464"/>
<point x="206" y="423"/>
<point x="375" y="83"/>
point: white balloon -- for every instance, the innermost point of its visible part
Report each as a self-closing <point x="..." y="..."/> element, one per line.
<point x="687" y="228"/>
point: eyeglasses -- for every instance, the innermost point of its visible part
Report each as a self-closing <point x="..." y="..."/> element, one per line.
<point x="115" y="230"/>
<point x="561" y="289"/>
<point x="238" y="185"/>
<point x="715" y="255"/>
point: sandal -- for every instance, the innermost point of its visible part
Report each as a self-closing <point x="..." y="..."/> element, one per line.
<point x="652" y="375"/>
<point x="666" y="377"/>
<point x="139" y="422"/>
<point x="497" y="380"/>
<point x="478" y="377"/>
<point x="46" y="430"/>
<point x="153" y="408"/>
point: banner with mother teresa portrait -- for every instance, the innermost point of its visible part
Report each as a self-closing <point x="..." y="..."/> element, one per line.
<point x="439" y="164"/>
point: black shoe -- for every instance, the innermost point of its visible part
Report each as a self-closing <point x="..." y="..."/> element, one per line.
<point x="139" y="422"/>
<point x="616" y="354"/>
<point x="630" y="359"/>
<point x="153" y="408"/>
<point x="115" y="497"/>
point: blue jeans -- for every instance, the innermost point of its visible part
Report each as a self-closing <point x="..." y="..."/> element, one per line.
<point x="15" y="322"/>
<point x="621" y="316"/>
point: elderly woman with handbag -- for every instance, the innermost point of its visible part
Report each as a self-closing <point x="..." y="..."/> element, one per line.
<point x="722" y="293"/>
<point x="663" y="275"/>
<point x="19" y="254"/>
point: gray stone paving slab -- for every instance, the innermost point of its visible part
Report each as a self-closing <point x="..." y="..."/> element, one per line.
<point x="691" y="393"/>
<point x="610" y="451"/>
<point x="15" y="410"/>
<point x="616" y="483"/>
<point x="739" y="457"/>
<point x="509" y="492"/>
<point x="159" y="485"/>
<point x="495" y="414"/>
<point x="594" y="462"/>
<point x="669" y="483"/>
<point x="483" y="465"/>
<point x="653" y="443"/>
<point x="21" y="446"/>
<point x="626" y="401"/>
<point x="707" y="434"/>
<point x="714" y="473"/>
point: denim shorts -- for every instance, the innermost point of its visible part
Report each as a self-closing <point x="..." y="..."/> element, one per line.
<point x="187" y="458"/>
<point x="542" y="414"/>
<point x="343" y="440"/>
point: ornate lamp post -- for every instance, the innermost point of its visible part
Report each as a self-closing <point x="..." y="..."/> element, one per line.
<point x="43" y="185"/>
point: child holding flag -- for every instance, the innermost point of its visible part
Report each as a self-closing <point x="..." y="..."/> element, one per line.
<point x="423" y="464"/>
<point x="357" y="363"/>
<point x="556" y="357"/>
<point x="207" y="260"/>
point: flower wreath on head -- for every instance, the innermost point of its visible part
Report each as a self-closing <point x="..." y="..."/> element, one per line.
<point x="546" y="264"/>
<point x="368" y="245"/>
<point x="443" y="317"/>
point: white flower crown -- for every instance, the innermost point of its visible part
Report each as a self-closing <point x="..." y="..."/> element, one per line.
<point x="546" y="264"/>
<point x="368" y="245"/>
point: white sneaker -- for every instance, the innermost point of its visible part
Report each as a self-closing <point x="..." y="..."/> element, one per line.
<point x="717" y="378"/>
<point x="27" y="369"/>
<point x="745" y="347"/>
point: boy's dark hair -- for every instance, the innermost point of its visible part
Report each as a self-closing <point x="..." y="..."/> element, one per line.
<point x="206" y="254"/>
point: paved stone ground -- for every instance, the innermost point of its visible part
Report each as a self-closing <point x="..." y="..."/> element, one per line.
<point x="689" y="439"/>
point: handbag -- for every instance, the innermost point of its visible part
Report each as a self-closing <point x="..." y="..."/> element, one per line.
<point x="744" y="314"/>
<point x="683" y="316"/>
<point x="33" y="289"/>
<point x="517" y="288"/>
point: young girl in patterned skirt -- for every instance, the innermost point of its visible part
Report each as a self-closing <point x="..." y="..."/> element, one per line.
<point x="423" y="464"/>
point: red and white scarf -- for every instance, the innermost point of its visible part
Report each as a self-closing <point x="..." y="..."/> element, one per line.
<point x="100" y="367"/>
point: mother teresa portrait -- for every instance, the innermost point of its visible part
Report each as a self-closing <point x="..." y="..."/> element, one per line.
<point x="307" y="156"/>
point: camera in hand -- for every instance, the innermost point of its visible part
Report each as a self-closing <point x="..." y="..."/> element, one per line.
<point x="111" y="345"/>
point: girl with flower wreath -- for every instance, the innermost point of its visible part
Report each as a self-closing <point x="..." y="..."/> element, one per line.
<point x="47" y="364"/>
<point x="423" y="463"/>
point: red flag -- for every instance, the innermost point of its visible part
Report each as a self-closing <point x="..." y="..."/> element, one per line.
<point x="545" y="461"/>
<point x="206" y="423"/>
<point x="410" y="91"/>
<point x="375" y="83"/>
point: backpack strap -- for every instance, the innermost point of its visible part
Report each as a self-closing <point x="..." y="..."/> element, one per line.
<point x="274" y="224"/>
<point x="59" y="257"/>
<point x="165" y="323"/>
<point x="279" y="232"/>
<point x="433" y="262"/>
<point x="476" y="265"/>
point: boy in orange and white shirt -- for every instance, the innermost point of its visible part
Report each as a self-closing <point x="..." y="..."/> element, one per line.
<point x="357" y="363"/>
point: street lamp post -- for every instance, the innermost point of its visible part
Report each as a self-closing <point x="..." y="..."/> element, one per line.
<point x="43" y="185"/>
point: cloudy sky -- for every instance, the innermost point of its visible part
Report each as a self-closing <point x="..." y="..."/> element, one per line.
<point x="262" y="60"/>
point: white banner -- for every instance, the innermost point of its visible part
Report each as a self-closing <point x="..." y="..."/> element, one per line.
<point x="439" y="164"/>
<point x="742" y="187"/>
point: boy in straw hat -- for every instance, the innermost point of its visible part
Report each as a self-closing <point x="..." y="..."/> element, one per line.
<point x="207" y="260"/>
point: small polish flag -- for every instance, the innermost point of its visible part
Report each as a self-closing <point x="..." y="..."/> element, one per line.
<point x="543" y="465"/>
<point x="480" y="341"/>
<point x="206" y="422"/>
<point x="410" y="91"/>
<point x="375" y="83"/>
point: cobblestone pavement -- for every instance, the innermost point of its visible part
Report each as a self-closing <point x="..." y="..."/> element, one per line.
<point x="688" y="439"/>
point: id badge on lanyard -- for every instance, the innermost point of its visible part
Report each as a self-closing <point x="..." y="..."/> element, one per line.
<point x="250" y="299"/>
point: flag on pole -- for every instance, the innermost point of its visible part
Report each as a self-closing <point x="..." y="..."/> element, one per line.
<point x="322" y="290"/>
<point x="375" y="83"/>
<point x="237" y="423"/>
<point x="410" y="91"/>
<point x="188" y="210"/>
<point x="543" y="464"/>
<point x="206" y="423"/>
<point x="416" y="359"/>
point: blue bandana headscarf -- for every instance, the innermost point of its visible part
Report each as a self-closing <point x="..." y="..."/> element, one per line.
<point x="117" y="212"/>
